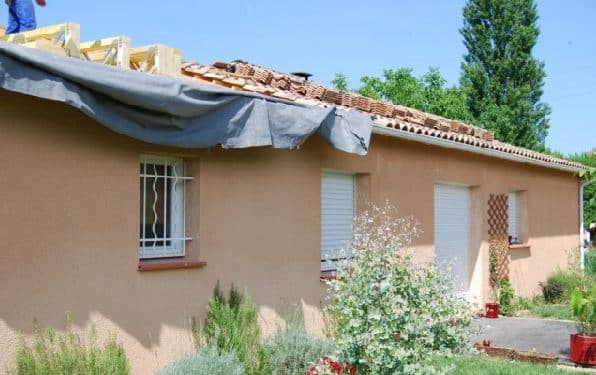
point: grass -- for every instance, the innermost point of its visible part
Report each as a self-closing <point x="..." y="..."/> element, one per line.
<point x="552" y="311"/>
<point x="489" y="366"/>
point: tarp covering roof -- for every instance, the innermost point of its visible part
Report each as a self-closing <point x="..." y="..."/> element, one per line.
<point x="177" y="112"/>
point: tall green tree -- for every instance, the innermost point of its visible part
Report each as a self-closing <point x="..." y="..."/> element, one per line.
<point x="589" y="159"/>
<point x="502" y="78"/>
<point x="428" y="93"/>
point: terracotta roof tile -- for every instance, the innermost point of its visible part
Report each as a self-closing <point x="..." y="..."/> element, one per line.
<point x="249" y="77"/>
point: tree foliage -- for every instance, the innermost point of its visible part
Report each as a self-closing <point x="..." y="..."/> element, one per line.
<point x="503" y="80"/>
<point x="340" y="82"/>
<point x="589" y="159"/>
<point x="428" y="93"/>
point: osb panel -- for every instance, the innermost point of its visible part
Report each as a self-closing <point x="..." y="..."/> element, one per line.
<point x="499" y="236"/>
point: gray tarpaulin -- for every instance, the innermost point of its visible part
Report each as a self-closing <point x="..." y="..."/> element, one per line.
<point x="177" y="112"/>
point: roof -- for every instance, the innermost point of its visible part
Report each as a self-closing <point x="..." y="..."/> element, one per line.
<point x="253" y="78"/>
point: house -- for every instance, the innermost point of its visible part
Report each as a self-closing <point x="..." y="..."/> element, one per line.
<point x="77" y="184"/>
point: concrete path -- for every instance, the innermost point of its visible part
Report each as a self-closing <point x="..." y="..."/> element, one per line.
<point x="527" y="334"/>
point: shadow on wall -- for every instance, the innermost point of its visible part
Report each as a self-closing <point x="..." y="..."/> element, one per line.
<point x="71" y="248"/>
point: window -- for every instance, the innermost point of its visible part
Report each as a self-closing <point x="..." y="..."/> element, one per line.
<point x="162" y="216"/>
<point x="337" y="216"/>
<point x="514" y="218"/>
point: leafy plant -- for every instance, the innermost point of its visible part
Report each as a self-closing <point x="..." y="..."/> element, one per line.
<point x="231" y="326"/>
<point x="391" y="312"/>
<point x="292" y="350"/>
<point x="506" y="297"/>
<point x="583" y="303"/>
<point x="207" y="360"/>
<point x="53" y="353"/>
<point x="560" y="284"/>
<point x="328" y="366"/>
<point x="493" y="273"/>
<point x="590" y="262"/>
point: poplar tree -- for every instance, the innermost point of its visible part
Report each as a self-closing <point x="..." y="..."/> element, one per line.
<point x="503" y="80"/>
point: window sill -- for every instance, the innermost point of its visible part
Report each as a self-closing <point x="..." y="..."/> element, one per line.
<point x="518" y="246"/>
<point x="168" y="264"/>
<point x="327" y="275"/>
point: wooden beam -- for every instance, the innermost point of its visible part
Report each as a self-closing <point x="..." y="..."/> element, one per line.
<point x="112" y="51"/>
<point x="65" y="35"/>
<point x="157" y="59"/>
<point x="46" y="45"/>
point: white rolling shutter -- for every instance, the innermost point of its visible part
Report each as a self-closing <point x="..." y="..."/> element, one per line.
<point x="512" y="213"/>
<point x="337" y="215"/>
<point x="452" y="231"/>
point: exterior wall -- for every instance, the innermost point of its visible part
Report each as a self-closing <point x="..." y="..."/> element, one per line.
<point x="69" y="226"/>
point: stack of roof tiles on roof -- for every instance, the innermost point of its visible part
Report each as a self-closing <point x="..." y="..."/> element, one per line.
<point x="249" y="77"/>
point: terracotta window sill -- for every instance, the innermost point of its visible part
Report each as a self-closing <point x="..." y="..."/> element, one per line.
<point x="327" y="275"/>
<point x="168" y="264"/>
<point x="517" y="246"/>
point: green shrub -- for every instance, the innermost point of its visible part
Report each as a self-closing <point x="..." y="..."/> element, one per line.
<point x="205" y="361"/>
<point x="583" y="303"/>
<point x="55" y="354"/>
<point x="231" y="326"/>
<point x="590" y="262"/>
<point x="392" y="314"/>
<point x="560" y="284"/>
<point x="292" y="351"/>
<point x="506" y="297"/>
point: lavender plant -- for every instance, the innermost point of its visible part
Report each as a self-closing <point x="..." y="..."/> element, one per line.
<point x="392" y="313"/>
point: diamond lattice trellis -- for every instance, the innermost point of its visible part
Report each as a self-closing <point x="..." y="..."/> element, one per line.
<point x="498" y="236"/>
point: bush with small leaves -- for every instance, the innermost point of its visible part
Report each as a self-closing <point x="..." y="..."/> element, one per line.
<point x="205" y="361"/>
<point x="231" y="326"/>
<point x="53" y="353"/>
<point x="292" y="351"/>
<point x="391" y="313"/>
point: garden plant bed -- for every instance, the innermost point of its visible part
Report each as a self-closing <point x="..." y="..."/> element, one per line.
<point x="521" y="356"/>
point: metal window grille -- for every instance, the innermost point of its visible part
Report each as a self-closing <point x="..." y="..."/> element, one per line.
<point x="162" y="215"/>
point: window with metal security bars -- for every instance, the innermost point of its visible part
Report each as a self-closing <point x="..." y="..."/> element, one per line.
<point x="337" y="216"/>
<point x="162" y="216"/>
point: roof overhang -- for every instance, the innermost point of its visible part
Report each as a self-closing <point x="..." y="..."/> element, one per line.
<point x="446" y="143"/>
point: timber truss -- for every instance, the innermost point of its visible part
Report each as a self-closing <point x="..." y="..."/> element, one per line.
<point x="64" y="39"/>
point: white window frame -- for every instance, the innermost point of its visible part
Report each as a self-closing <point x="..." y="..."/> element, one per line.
<point x="513" y="217"/>
<point x="329" y="263"/>
<point x="172" y="244"/>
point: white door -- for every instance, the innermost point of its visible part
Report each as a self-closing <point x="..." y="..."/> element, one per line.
<point x="337" y="216"/>
<point x="452" y="231"/>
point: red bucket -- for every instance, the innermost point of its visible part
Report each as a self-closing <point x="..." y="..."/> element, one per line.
<point x="492" y="310"/>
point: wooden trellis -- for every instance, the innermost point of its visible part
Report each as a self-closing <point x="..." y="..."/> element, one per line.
<point x="64" y="39"/>
<point x="499" y="237"/>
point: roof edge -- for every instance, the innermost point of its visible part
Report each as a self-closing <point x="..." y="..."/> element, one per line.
<point x="446" y="143"/>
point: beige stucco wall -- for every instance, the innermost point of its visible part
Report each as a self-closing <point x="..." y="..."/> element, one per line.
<point x="69" y="226"/>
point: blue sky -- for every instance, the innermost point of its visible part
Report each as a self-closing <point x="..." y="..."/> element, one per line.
<point x="355" y="37"/>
